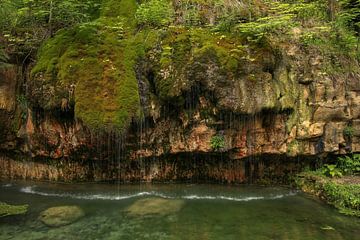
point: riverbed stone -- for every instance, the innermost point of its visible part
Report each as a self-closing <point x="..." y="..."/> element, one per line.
<point x="155" y="206"/>
<point x="60" y="216"/>
<point x="9" y="210"/>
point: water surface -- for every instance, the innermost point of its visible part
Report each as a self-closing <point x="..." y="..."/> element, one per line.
<point x="196" y="212"/>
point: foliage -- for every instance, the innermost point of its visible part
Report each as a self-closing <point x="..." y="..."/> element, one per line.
<point x="346" y="165"/>
<point x="331" y="170"/>
<point x="55" y="13"/>
<point x="349" y="165"/>
<point x="8" y="210"/>
<point x="155" y="13"/>
<point x="7" y="14"/>
<point x="261" y="28"/>
<point x="350" y="16"/>
<point x="348" y="131"/>
<point x="3" y="58"/>
<point x="217" y="142"/>
<point x="25" y="24"/>
<point x="344" y="196"/>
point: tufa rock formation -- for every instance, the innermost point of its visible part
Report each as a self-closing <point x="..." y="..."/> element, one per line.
<point x="109" y="101"/>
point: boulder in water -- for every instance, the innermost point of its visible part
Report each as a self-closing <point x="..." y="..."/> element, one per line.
<point x="8" y="210"/>
<point x="60" y="216"/>
<point x="157" y="206"/>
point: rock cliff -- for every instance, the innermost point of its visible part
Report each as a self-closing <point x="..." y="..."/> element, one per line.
<point x="108" y="101"/>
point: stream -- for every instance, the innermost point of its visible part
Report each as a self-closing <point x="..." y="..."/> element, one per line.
<point x="174" y="211"/>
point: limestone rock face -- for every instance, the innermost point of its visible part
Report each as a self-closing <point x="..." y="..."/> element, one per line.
<point x="277" y="100"/>
<point x="60" y="216"/>
<point x="9" y="81"/>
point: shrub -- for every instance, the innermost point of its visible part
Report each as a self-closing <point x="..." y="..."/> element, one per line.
<point x="344" y="197"/>
<point x="349" y="165"/>
<point x="330" y="170"/>
<point x="154" y="13"/>
<point x="258" y="30"/>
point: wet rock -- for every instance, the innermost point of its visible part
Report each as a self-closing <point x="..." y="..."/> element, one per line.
<point x="8" y="210"/>
<point x="307" y="130"/>
<point x="333" y="136"/>
<point x="156" y="206"/>
<point x="60" y="216"/>
<point x="331" y="112"/>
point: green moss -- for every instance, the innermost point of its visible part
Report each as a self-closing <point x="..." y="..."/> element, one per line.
<point x="120" y="9"/>
<point x="186" y="50"/>
<point x="8" y="210"/>
<point x="293" y="148"/>
<point x="50" y="52"/>
<point x="99" y="60"/>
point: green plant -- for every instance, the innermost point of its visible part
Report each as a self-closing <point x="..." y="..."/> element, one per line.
<point x="259" y="29"/>
<point x="344" y="197"/>
<point x="155" y="13"/>
<point x="348" y="131"/>
<point x="330" y="170"/>
<point x="217" y="142"/>
<point x="349" y="165"/>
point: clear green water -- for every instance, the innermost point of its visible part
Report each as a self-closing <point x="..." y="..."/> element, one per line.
<point x="206" y="212"/>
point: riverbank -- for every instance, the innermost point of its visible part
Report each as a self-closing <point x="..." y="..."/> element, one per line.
<point x="342" y="193"/>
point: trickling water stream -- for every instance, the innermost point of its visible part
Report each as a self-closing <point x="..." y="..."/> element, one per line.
<point x="174" y="211"/>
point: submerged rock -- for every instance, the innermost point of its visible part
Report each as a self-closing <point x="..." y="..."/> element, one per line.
<point x="158" y="206"/>
<point x="8" y="210"/>
<point x="60" y="216"/>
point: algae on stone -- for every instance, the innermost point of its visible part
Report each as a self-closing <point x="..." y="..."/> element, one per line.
<point x="9" y="210"/>
<point x="156" y="206"/>
<point x="60" y="216"/>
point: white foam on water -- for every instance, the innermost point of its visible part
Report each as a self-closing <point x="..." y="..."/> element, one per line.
<point x="244" y="199"/>
<point x="31" y="190"/>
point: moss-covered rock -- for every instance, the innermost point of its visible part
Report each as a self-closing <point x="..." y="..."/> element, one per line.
<point x="155" y="206"/>
<point x="9" y="210"/>
<point x="60" y="216"/>
<point x="91" y="66"/>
